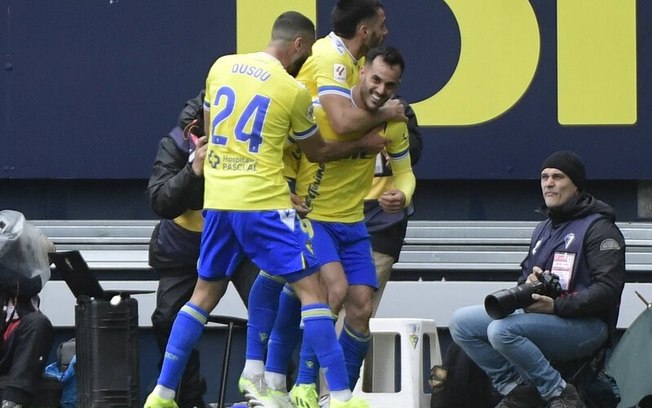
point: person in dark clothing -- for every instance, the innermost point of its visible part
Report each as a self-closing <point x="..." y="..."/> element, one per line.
<point x="387" y="230"/>
<point x="580" y="243"/>
<point x="176" y="193"/>
<point x="26" y="334"/>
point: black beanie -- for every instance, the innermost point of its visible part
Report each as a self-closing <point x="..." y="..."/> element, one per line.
<point x="571" y="164"/>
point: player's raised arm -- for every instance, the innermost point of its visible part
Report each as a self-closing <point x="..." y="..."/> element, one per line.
<point x="317" y="149"/>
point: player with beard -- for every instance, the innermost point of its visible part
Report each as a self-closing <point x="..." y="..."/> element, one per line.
<point x="252" y="104"/>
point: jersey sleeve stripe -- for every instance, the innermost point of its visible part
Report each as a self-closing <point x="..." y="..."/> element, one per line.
<point x="399" y="155"/>
<point x="334" y="90"/>
<point x="305" y="134"/>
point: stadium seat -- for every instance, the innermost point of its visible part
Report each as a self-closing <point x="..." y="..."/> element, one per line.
<point x="391" y="379"/>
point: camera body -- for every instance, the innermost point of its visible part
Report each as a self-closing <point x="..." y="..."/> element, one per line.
<point x="504" y="302"/>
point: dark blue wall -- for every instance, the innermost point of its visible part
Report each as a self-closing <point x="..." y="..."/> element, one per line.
<point x="87" y="87"/>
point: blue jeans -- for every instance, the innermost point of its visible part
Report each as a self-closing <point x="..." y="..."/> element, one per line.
<point x="517" y="348"/>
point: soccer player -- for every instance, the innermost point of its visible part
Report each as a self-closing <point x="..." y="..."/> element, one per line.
<point x="334" y="67"/>
<point x="334" y="192"/>
<point x="329" y="74"/>
<point x="252" y="103"/>
<point x="176" y="194"/>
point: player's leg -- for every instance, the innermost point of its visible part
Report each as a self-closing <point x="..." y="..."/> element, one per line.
<point x="186" y="331"/>
<point x="263" y="308"/>
<point x="175" y="288"/>
<point x="275" y="242"/>
<point x="284" y="337"/>
<point x="325" y="243"/>
<point x="383" y="264"/>
<point x="219" y="253"/>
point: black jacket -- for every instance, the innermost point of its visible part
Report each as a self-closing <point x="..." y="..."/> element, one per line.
<point x="605" y="265"/>
<point x="173" y="187"/>
<point x="173" y="190"/>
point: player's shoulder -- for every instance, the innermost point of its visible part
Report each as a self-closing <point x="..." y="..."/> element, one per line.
<point x="294" y="85"/>
<point x="225" y="59"/>
<point x="330" y="47"/>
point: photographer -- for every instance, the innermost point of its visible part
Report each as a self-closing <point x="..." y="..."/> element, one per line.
<point x="579" y="243"/>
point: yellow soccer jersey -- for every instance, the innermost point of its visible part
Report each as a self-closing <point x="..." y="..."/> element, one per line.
<point x="335" y="190"/>
<point x="254" y="105"/>
<point x="331" y="69"/>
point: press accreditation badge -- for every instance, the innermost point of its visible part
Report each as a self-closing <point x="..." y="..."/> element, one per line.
<point x="562" y="266"/>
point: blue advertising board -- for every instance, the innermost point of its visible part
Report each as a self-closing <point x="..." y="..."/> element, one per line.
<point x="88" y="87"/>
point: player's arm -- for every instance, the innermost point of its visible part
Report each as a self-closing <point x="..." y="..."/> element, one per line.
<point x="403" y="178"/>
<point x="404" y="182"/>
<point x="312" y="144"/>
<point x="318" y="150"/>
<point x="399" y="196"/>
<point x="344" y="117"/>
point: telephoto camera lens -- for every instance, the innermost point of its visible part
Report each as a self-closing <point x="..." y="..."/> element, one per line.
<point x="505" y="301"/>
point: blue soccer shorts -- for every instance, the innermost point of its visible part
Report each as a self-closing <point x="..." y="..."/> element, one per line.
<point x="348" y="244"/>
<point x="274" y="240"/>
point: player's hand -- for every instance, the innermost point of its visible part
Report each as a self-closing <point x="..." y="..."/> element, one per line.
<point x="394" y="111"/>
<point x="299" y="205"/>
<point x="372" y="141"/>
<point x="200" y="154"/>
<point x="392" y="201"/>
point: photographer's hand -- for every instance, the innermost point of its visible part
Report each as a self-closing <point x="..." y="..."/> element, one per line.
<point x="534" y="276"/>
<point x="542" y="304"/>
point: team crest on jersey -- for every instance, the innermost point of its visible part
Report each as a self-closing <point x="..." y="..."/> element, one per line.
<point x="339" y="72"/>
<point x="311" y="113"/>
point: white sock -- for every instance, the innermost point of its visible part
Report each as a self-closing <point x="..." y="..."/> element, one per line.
<point x="341" y="395"/>
<point x="276" y="381"/>
<point x="164" y="392"/>
<point x="253" y="368"/>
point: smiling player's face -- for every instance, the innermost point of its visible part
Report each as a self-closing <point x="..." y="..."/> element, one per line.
<point x="378" y="82"/>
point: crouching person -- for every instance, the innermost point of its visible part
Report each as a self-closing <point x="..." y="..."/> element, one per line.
<point x="580" y="243"/>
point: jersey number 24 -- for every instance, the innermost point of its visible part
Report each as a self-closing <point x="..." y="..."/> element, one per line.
<point x="252" y="117"/>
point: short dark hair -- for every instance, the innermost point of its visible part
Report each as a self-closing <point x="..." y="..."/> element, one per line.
<point x="389" y="54"/>
<point x="290" y="25"/>
<point x="193" y="110"/>
<point x="347" y="14"/>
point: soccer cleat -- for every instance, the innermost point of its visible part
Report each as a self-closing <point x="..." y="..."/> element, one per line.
<point x="304" y="396"/>
<point x="259" y="394"/>
<point x="354" y="402"/>
<point x="325" y="401"/>
<point x="277" y="398"/>
<point x="155" y="401"/>
<point x="253" y="389"/>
